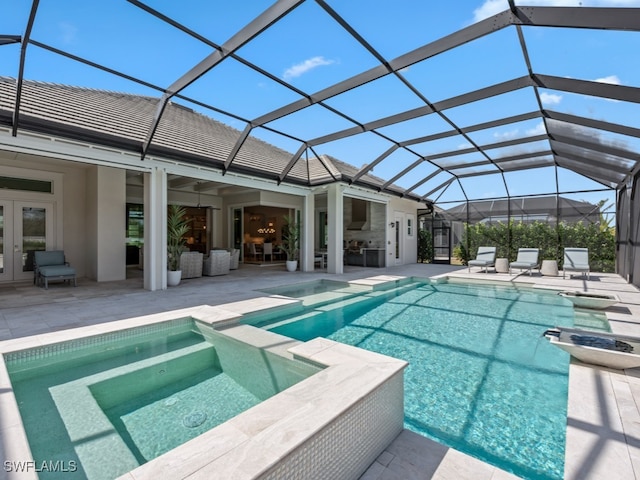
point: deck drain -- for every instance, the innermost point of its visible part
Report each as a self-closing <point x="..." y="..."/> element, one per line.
<point x="194" y="419"/>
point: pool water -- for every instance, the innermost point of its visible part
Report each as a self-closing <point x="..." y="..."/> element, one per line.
<point x="480" y="379"/>
<point x="319" y="291"/>
<point x="159" y="421"/>
<point x="110" y="405"/>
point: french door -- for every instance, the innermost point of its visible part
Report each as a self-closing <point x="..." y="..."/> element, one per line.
<point x="25" y="227"/>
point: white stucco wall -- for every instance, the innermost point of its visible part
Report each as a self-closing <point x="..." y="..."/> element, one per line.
<point x="405" y="209"/>
<point x="105" y="225"/>
<point x="71" y="210"/>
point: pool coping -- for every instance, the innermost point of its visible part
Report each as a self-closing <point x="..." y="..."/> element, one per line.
<point x="294" y="416"/>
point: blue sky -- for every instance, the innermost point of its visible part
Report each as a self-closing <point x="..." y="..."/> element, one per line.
<point x="311" y="52"/>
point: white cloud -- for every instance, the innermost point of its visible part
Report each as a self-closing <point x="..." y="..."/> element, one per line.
<point x="491" y="7"/>
<point x="550" y="98"/>
<point x="537" y="130"/>
<point x="612" y="79"/>
<point x="488" y="8"/>
<point x="68" y="32"/>
<point x="305" y="66"/>
<point x="506" y="135"/>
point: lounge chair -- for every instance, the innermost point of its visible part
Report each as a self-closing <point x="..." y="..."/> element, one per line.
<point x="527" y="260"/>
<point x="51" y="265"/>
<point x="486" y="257"/>
<point x="576" y="260"/>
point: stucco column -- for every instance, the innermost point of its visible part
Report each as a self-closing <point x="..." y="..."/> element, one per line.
<point x="155" y="230"/>
<point x="307" y="241"/>
<point x="106" y="199"/>
<point x="335" y="229"/>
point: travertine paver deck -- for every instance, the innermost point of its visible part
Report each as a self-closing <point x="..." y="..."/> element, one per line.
<point x="603" y="432"/>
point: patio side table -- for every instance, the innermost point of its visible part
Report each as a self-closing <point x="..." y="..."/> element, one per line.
<point x="502" y="265"/>
<point x="549" y="268"/>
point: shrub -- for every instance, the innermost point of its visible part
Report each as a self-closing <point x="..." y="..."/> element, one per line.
<point x="548" y="238"/>
<point x="425" y="246"/>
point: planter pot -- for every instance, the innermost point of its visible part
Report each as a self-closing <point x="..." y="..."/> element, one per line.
<point x="173" y="277"/>
<point x="292" y="265"/>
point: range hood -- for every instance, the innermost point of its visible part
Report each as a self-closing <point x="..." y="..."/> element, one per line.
<point x="359" y="215"/>
<point x="356" y="225"/>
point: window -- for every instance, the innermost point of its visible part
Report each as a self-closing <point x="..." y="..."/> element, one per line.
<point x="410" y="225"/>
<point x="323" y="231"/>
<point x="135" y="224"/>
<point x="25" y="184"/>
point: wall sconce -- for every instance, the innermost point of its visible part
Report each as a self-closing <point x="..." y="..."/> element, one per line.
<point x="392" y="224"/>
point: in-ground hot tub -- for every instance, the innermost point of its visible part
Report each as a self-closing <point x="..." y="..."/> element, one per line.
<point x="170" y="394"/>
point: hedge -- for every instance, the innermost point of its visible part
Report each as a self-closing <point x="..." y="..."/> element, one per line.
<point x="550" y="239"/>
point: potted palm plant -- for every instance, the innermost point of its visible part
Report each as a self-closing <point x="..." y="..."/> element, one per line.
<point x="177" y="228"/>
<point x="291" y="242"/>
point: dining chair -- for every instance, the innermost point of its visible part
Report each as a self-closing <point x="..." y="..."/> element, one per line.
<point x="267" y="249"/>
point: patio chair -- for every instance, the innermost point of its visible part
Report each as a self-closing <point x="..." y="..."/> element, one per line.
<point x="191" y="264"/>
<point x="527" y="260"/>
<point x="217" y="263"/>
<point x="576" y="260"/>
<point x="486" y="257"/>
<point x="51" y="265"/>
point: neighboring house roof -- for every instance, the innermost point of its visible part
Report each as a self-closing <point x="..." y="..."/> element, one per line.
<point x="123" y="120"/>
<point x="531" y="207"/>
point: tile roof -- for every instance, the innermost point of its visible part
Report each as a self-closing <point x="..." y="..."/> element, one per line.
<point x="123" y="120"/>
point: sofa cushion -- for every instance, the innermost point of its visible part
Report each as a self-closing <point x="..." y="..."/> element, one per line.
<point x="56" y="271"/>
<point x="51" y="257"/>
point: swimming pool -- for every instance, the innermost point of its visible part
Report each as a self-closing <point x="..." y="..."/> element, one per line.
<point x="480" y="379"/>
